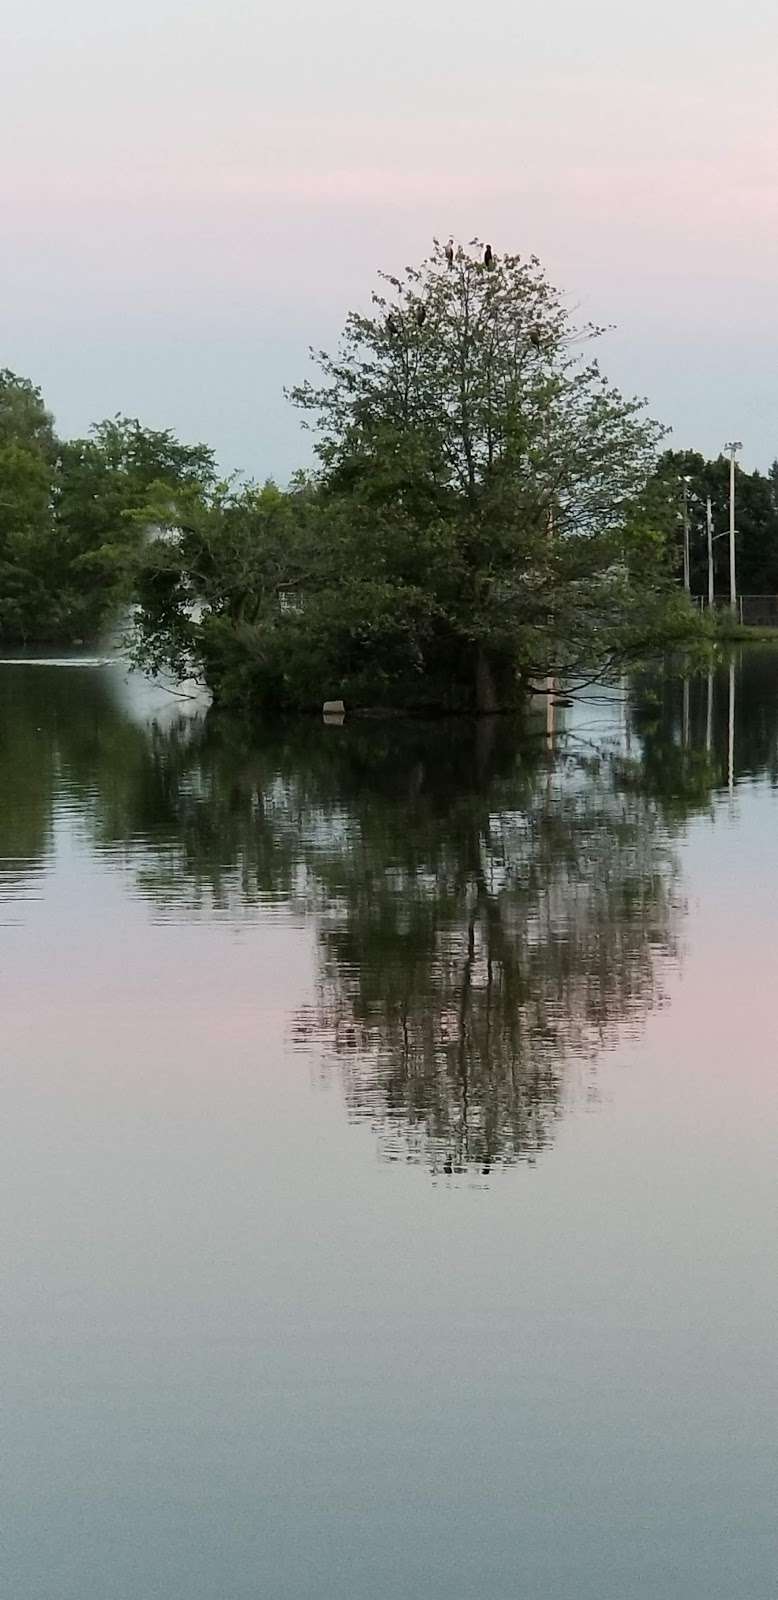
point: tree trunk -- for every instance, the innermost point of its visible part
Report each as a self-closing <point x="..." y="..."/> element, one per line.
<point x="486" y="697"/>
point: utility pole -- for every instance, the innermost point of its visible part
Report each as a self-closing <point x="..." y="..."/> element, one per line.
<point x="709" y="525"/>
<point x="686" y="576"/>
<point x="733" y="446"/>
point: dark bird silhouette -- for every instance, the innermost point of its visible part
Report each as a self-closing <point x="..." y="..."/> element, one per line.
<point x="488" y="257"/>
<point x="420" y="315"/>
<point x="536" y="336"/>
<point x="450" y="253"/>
<point x="392" y="325"/>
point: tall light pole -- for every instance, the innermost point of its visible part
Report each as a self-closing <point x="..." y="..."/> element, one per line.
<point x="686" y="572"/>
<point x="709" y="525"/>
<point x="733" y="446"/>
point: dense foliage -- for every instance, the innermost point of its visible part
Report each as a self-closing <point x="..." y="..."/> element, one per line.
<point x="486" y="511"/>
<point x="72" y="514"/>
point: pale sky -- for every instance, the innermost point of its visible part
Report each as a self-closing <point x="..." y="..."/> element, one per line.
<point x="190" y="195"/>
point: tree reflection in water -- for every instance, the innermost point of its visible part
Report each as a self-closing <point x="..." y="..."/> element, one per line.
<point x="491" y="912"/>
<point x="477" y="936"/>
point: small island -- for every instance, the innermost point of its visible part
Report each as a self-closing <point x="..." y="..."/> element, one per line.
<point x="488" y="515"/>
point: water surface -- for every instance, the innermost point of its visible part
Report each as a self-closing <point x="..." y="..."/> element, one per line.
<point x="389" y="1147"/>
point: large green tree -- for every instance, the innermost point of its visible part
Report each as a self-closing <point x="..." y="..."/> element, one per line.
<point x="468" y="399"/>
<point x="476" y="519"/>
<point x="465" y="407"/>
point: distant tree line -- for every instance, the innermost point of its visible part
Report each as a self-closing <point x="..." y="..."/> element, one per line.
<point x="486" y="511"/>
<point x="756" y="503"/>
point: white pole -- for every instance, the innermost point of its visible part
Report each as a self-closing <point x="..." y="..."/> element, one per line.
<point x="686" y="577"/>
<point x="709" y="520"/>
<point x="551" y="690"/>
<point x="732" y="447"/>
<point x="731" y="730"/>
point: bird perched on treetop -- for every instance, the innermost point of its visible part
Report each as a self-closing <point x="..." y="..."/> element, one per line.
<point x="450" y="253"/>
<point x="488" y="257"/>
<point x="420" y="314"/>
<point x="536" y="336"/>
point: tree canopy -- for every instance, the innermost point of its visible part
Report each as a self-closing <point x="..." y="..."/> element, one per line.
<point x="73" y="512"/>
<point x="475" y="519"/>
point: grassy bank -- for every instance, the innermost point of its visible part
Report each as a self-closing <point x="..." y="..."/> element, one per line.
<point x="742" y="633"/>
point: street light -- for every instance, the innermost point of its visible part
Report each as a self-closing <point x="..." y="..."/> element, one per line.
<point x="713" y="538"/>
<point x="733" y="446"/>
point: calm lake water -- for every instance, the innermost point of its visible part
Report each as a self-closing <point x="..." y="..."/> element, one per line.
<point x="389" y="1148"/>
